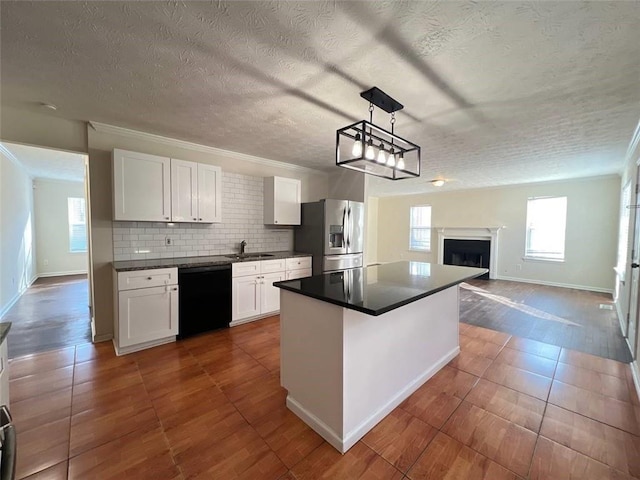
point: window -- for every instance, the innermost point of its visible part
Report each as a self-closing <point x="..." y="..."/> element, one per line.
<point x="546" y="225"/>
<point x="77" y="225"/>
<point x="420" y="231"/>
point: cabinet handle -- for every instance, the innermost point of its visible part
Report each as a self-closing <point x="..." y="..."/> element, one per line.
<point x="149" y="278"/>
<point x="175" y="289"/>
<point x="166" y="218"/>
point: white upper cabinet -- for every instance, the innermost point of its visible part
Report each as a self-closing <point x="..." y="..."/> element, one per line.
<point x="281" y="201"/>
<point x="141" y="187"/>
<point x="196" y="192"/>
<point x="159" y="189"/>
<point x="209" y="193"/>
<point x="184" y="191"/>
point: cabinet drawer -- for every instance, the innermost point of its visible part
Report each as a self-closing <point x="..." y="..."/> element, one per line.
<point x="298" y="263"/>
<point x="157" y="277"/>
<point x="293" y="274"/>
<point x="270" y="266"/>
<point x="245" y="268"/>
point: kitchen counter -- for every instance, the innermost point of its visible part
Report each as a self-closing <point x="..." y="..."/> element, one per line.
<point x="4" y="330"/>
<point x="182" y="262"/>
<point x="379" y="289"/>
<point x="355" y="344"/>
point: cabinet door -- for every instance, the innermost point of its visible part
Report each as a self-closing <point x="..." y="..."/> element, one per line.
<point x="287" y="201"/>
<point x="293" y="274"/>
<point x="270" y="295"/>
<point x="209" y="193"/>
<point x="147" y="314"/>
<point x="246" y="297"/>
<point x="184" y="191"/>
<point x="281" y="201"/>
<point x="141" y="187"/>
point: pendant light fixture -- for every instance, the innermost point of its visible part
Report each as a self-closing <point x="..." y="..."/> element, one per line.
<point x="368" y="148"/>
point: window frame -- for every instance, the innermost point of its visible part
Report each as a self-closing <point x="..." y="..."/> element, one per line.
<point x="74" y="225"/>
<point x="413" y="248"/>
<point x="542" y="256"/>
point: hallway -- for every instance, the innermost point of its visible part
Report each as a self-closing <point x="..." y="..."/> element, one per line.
<point x="53" y="313"/>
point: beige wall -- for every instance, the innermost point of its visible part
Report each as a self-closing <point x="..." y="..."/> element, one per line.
<point x="17" y="266"/>
<point x="314" y="187"/>
<point x="591" y="236"/>
<point x="371" y="242"/>
<point x="52" y="228"/>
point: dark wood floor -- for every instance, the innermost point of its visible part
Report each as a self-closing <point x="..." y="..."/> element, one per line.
<point x="211" y="407"/>
<point x="52" y="313"/>
<point x="559" y="316"/>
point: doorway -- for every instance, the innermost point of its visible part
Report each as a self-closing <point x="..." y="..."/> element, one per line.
<point x="47" y="289"/>
<point x="634" y="294"/>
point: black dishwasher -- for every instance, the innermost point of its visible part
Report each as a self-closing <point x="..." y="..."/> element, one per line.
<point x="205" y="299"/>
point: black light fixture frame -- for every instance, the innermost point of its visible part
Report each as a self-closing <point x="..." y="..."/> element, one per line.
<point x="365" y="129"/>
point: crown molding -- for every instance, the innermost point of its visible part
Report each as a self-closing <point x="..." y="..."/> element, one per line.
<point x="196" y="147"/>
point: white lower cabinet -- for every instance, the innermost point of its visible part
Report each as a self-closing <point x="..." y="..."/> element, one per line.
<point x="246" y="297"/>
<point x="146" y="316"/>
<point x="254" y="295"/>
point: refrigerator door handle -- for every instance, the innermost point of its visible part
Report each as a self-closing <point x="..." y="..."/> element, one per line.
<point x="348" y="228"/>
<point x="345" y="235"/>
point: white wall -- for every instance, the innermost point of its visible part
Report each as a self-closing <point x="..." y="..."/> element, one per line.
<point x="52" y="228"/>
<point x="591" y="236"/>
<point x="17" y="266"/>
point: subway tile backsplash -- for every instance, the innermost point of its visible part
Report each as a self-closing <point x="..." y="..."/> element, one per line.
<point x="242" y="213"/>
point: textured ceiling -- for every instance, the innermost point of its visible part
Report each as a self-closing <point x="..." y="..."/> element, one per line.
<point x="494" y="92"/>
<point x="47" y="163"/>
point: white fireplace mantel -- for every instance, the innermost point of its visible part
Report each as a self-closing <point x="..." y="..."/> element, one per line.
<point x="471" y="233"/>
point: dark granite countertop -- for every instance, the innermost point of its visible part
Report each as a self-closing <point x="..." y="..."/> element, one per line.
<point x="379" y="289"/>
<point x="4" y="330"/>
<point x="182" y="262"/>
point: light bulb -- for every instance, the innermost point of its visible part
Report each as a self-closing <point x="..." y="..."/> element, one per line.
<point x="356" y="151"/>
<point x="381" y="156"/>
<point x="401" y="162"/>
<point x="391" y="161"/>
<point x="437" y="182"/>
<point x="369" y="154"/>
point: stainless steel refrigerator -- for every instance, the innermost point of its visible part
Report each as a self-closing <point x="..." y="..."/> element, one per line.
<point x="333" y="232"/>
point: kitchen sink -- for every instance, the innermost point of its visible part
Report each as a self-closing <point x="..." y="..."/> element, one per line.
<point x="239" y="256"/>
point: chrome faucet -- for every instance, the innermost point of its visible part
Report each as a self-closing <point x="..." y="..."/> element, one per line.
<point x="243" y="244"/>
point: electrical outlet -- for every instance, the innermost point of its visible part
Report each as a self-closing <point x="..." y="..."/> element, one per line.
<point x="167" y="240"/>
<point x="518" y="267"/>
<point x="45" y="262"/>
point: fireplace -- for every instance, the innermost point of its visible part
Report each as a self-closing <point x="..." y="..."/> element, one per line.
<point x="467" y="253"/>
<point x="487" y="238"/>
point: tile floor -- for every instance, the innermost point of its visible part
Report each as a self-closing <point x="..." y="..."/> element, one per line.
<point x="212" y="407"/>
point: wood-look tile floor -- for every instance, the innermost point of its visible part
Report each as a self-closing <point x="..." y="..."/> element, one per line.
<point x="212" y="407"/>
<point x="52" y="313"/>
<point x="558" y="316"/>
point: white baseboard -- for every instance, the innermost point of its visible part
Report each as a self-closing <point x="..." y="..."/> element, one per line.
<point x="4" y="310"/>
<point x="342" y="444"/>
<point x="621" y="319"/>
<point x="62" y="274"/>
<point x="105" y="337"/>
<point x="235" y="323"/>
<point x="142" y="346"/>
<point x="635" y="373"/>
<point x="556" y="284"/>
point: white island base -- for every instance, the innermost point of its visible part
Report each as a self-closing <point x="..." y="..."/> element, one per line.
<point x="346" y="370"/>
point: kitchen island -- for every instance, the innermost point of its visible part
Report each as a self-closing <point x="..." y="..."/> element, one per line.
<point x="356" y="343"/>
